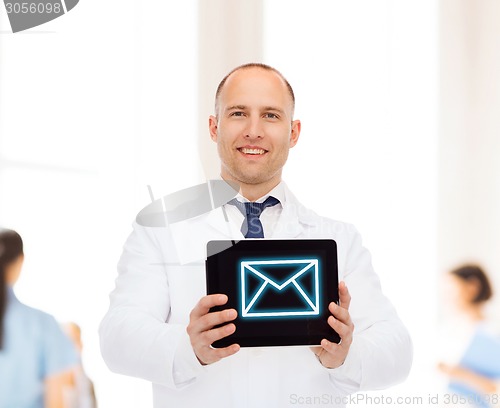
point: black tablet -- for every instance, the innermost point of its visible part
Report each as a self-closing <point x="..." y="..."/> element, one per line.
<point x="280" y="288"/>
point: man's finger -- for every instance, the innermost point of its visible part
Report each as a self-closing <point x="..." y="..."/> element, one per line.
<point x="340" y="313"/>
<point x="224" y="352"/>
<point x="343" y="330"/>
<point x="210" y="320"/>
<point x="344" y="296"/>
<point x="206" y="303"/>
<point x="210" y="336"/>
<point x="329" y="346"/>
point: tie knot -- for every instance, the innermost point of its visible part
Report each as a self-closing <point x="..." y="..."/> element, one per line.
<point x="256" y="209"/>
<point x="252" y="227"/>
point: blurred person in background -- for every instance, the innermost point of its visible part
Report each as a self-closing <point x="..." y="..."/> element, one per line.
<point x="36" y="357"/>
<point x="476" y="377"/>
<point x="81" y="394"/>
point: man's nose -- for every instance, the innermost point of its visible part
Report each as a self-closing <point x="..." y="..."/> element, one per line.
<point x="254" y="129"/>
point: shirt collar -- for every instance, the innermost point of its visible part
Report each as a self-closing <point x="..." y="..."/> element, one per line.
<point x="277" y="192"/>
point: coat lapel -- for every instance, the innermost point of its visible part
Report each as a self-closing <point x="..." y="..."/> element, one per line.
<point x="294" y="219"/>
<point x="191" y="236"/>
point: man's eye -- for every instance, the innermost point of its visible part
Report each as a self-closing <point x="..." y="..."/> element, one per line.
<point x="270" y="115"/>
<point x="237" y="113"/>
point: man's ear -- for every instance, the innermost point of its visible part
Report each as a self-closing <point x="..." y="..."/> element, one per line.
<point x="295" y="133"/>
<point x="212" y="127"/>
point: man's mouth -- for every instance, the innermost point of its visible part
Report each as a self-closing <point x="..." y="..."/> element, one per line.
<point x="252" y="151"/>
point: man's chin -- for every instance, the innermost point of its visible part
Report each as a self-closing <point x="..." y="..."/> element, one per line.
<point x="255" y="179"/>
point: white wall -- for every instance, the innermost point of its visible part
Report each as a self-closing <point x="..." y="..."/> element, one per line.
<point x="230" y="34"/>
<point x="469" y="183"/>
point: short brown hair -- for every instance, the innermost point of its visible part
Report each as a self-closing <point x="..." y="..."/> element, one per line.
<point x="254" y="65"/>
<point x="470" y="273"/>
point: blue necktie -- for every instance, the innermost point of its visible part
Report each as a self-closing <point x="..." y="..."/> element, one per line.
<point x="252" y="225"/>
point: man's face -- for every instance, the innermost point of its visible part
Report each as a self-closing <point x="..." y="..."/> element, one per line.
<point x="253" y="128"/>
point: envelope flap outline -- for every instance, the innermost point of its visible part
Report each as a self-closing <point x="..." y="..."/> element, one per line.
<point x="305" y="266"/>
<point x="309" y="263"/>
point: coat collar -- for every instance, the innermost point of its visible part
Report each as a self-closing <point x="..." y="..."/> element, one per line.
<point x="191" y="236"/>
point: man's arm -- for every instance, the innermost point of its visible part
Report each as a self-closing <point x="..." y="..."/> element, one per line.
<point x="136" y="339"/>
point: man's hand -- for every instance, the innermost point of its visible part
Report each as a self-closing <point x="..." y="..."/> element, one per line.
<point x="202" y="332"/>
<point x="333" y="355"/>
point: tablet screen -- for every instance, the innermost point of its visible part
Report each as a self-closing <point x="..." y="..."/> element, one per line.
<point x="280" y="288"/>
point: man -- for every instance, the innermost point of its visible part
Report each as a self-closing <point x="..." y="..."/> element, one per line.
<point x="159" y="326"/>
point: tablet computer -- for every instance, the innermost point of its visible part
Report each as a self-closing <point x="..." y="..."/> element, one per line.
<point x="281" y="289"/>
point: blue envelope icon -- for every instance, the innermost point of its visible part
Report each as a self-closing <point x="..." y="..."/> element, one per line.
<point x="284" y="287"/>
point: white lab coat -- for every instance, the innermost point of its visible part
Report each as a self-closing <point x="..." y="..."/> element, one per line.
<point x="162" y="277"/>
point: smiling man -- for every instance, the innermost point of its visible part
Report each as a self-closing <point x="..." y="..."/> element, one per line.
<point x="159" y="326"/>
<point x="254" y="128"/>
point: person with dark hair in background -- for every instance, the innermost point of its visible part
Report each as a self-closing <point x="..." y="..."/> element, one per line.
<point x="477" y="374"/>
<point x="475" y="289"/>
<point x="35" y="355"/>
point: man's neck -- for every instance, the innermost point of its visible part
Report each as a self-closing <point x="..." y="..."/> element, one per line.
<point x="253" y="192"/>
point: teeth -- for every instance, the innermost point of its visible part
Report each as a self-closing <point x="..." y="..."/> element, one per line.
<point x="252" y="151"/>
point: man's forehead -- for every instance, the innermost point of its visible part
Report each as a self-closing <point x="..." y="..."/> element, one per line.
<point x="254" y="75"/>
<point x="248" y="82"/>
